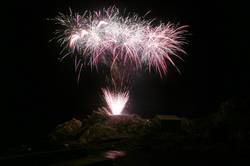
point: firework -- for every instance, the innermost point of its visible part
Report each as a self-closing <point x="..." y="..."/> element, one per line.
<point x="106" y="36"/>
<point x="116" y="101"/>
<point x="124" y="43"/>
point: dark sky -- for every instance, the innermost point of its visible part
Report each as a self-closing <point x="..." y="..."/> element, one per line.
<point x="40" y="92"/>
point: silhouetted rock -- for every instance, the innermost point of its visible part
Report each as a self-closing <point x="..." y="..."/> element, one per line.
<point x="99" y="126"/>
<point x="66" y="131"/>
<point x="229" y="127"/>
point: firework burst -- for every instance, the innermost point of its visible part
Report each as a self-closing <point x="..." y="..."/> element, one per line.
<point x="106" y="36"/>
<point x="116" y="101"/>
<point x="124" y="43"/>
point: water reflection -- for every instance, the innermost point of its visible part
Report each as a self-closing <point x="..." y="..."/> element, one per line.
<point x="113" y="154"/>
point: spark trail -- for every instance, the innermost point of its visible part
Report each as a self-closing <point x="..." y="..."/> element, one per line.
<point x="106" y="36"/>
<point x="116" y="101"/>
<point x="125" y="43"/>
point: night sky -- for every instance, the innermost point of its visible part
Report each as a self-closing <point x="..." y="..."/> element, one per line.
<point x="40" y="92"/>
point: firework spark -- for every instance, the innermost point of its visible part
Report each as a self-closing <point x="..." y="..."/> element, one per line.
<point x="101" y="35"/>
<point x="124" y="43"/>
<point x="116" y="101"/>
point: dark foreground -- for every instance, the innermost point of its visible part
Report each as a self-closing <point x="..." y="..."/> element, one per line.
<point x="147" y="152"/>
<point x="219" y="138"/>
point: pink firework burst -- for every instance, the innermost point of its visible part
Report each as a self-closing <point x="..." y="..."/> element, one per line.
<point x="106" y="36"/>
<point x="116" y="101"/>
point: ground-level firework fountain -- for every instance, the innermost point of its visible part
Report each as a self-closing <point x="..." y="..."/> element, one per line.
<point x="121" y="43"/>
<point x="116" y="101"/>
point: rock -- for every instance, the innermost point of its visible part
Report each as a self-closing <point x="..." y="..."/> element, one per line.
<point x="66" y="131"/>
<point x="100" y="126"/>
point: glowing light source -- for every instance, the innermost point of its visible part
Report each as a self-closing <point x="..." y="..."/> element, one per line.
<point x="116" y="101"/>
<point x="110" y="38"/>
<point x="97" y="35"/>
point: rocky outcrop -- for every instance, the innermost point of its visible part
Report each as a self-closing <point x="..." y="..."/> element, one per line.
<point x="99" y="126"/>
